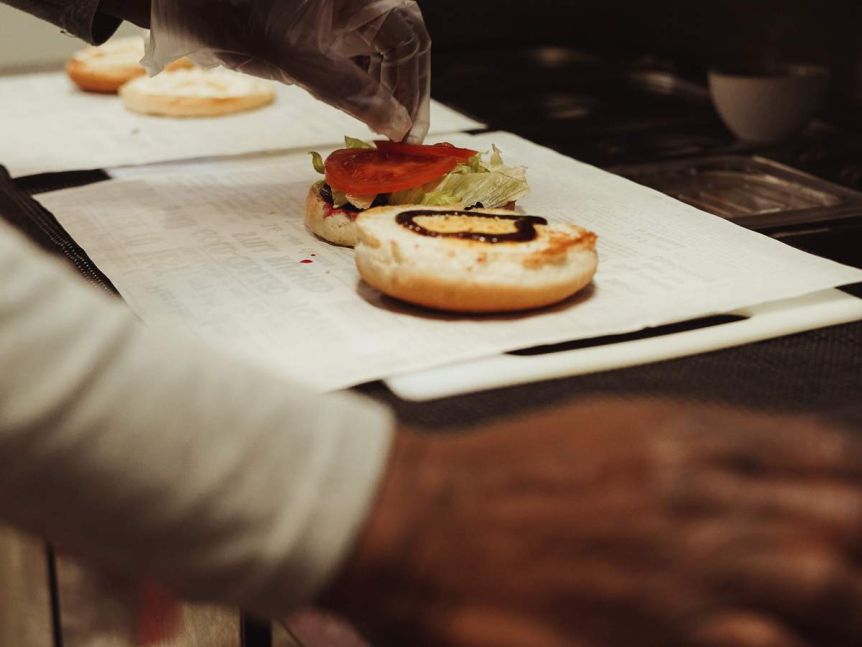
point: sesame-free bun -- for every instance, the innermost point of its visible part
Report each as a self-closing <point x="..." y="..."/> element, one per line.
<point x="106" y="68"/>
<point x="332" y="225"/>
<point x="468" y="275"/>
<point x="196" y="93"/>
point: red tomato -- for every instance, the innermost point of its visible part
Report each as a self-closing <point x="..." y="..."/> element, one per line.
<point x="437" y="150"/>
<point x="366" y="171"/>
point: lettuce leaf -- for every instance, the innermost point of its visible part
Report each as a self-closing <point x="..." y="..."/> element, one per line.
<point x="488" y="182"/>
<point x="317" y="162"/>
<point x="340" y="199"/>
<point x="490" y="188"/>
<point x="353" y="142"/>
<point x="360" y="201"/>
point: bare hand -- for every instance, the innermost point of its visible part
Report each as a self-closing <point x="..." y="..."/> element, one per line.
<point x="615" y="524"/>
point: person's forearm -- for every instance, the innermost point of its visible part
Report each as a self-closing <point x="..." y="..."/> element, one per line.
<point x="135" y="11"/>
<point x="92" y="20"/>
<point x="81" y="18"/>
<point x="154" y="455"/>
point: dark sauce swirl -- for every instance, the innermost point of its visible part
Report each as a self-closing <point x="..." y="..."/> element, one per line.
<point x="525" y="226"/>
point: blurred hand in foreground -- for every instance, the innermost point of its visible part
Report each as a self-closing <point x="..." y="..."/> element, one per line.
<point x="369" y="58"/>
<point x="615" y="524"/>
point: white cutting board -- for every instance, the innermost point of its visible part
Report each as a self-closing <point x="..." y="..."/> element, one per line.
<point x="818" y="310"/>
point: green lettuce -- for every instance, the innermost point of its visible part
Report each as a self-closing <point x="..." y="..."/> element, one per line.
<point x="483" y="179"/>
<point x="340" y="199"/>
<point x="353" y="142"/>
<point x="317" y="162"/>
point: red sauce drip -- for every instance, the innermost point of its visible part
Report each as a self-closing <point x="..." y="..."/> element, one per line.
<point x="306" y="260"/>
<point x="329" y="210"/>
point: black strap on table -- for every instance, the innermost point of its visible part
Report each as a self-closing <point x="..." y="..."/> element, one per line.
<point x="18" y="207"/>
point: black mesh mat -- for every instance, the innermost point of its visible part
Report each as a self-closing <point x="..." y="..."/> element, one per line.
<point x="817" y="371"/>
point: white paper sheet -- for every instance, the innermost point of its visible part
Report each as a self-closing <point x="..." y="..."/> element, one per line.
<point x="49" y="125"/>
<point x="221" y="251"/>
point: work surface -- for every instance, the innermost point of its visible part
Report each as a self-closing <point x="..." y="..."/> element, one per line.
<point x="820" y="369"/>
<point x="220" y="251"/>
<point x="59" y="128"/>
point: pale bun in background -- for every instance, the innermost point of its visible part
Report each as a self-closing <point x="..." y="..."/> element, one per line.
<point x="196" y="93"/>
<point x="107" y="67"/>
<point x="332" y="225"/>
<point x="460" y="275"/>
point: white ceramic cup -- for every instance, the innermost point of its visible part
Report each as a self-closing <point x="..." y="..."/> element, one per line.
<point x="767" y="103"/>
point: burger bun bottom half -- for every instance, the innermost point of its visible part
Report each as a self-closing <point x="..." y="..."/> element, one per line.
<point x="336" y="226"/>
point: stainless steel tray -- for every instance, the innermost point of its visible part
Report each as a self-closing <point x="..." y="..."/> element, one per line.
<point x="752" y="191"/>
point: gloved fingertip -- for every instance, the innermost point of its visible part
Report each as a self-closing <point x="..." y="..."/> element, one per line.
<point x="150" y="61"/>
<point x="417" y="133"/>
<point x="396" y="123"/>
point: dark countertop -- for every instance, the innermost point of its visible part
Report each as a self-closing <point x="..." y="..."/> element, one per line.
<point x="818" y="371"/>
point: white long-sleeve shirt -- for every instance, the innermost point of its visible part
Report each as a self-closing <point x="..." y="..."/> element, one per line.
<point x="158" y="456"/>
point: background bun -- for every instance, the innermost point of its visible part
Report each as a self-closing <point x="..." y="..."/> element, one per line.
<point x="468" y="275"/>
<point x="196" y="93"/>
<point x="107" y="67"/>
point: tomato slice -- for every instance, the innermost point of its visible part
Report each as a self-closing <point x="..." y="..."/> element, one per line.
<point x="435" y="150"/>
<point x="366" y="171"/>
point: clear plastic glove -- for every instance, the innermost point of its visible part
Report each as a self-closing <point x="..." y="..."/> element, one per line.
<point x="369" y="58"/>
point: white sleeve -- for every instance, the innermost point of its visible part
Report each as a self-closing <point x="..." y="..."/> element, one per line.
<point x="158" y="456"/>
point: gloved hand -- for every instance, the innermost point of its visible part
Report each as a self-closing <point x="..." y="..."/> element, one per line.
<point x="369" y="58"/>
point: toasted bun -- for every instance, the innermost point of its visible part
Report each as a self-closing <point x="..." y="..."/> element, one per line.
<point x="332" y="225"/>
<point x="196" y="93"/>
<point x="466" y="275"/>
<point x="108" y="67"/>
